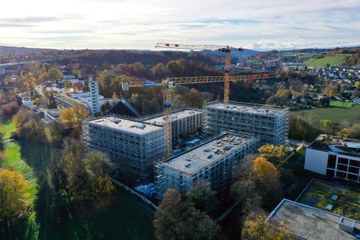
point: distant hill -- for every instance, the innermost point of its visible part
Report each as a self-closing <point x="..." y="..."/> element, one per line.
<point x="235" y="55"/>
<point x="14" y="51"/>
<point x="112" y="57"/>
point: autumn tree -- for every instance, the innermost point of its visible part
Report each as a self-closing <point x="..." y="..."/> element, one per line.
<point x="357" y="84"/>
<point x="275" y="154"/>
<point x="73" y="117"/>
<point x="29" y="82"/>
<point x="15" y="200"/>
<point x="257" y="228"/>
<point x="29" y="126"/>
<point x="176" y="219"/>
<point x="330" y="92"/>
<point x="244" y="188"/>
<point x="266" y="177"/>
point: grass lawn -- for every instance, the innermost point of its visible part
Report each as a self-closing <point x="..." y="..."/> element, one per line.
<point x="334" y="61"/>
<point x="341" y="104"/>
<point x="12" y="159"/>
<point x="319" y="195"/>
<point x="7" y="128"/>
<point x="337" y="112"/>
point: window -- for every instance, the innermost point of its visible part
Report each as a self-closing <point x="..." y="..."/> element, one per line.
<point x="343" y="161"/>
<point x="342" y="167"/>
<point x="330" y="173"/>
<point x="341" y="174"/>
<point x="354" y="170"/>
<point x="331" y="161"/>
<point x="355" y="163"/>
<point x="353" y="177"/>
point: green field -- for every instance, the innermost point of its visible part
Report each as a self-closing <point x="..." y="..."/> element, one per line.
<point x="337" y="112"/>
<point x="334" y="61"/>
<point x="319" y="194"/>
<point x="7" y="128"/>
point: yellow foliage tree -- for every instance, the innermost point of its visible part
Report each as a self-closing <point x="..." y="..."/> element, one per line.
<point x="265" y="172"/>
<point x="256" y="228"/>
<point x="330" y="92"/>
<point x="28" y="81"/>
<point x="357" y="84"/>
<point x="275" y="154"/>
<point x="72" y="117"/>
<point x="15" y="198"/>
<point x="266" y="178"/>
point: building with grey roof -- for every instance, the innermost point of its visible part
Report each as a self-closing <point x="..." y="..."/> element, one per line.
<point x="134" y="146"/>
<point x="306" y="222"/>
<point x="185" y="123"/>
<point x="212" y="161"/>
<point x="268" y="123"/>
<point x="335" y="157"/>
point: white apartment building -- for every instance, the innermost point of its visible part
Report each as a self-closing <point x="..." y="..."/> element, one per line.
<point x="94" y="96"/>
<point x="268" y="123"/>
<point x="134" y="146"/>
<point x="211" y="161"/>
<point x="335" y="157"/>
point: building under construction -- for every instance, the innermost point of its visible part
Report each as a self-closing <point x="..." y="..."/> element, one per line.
<point x="184" y="123"/>
<point x="268" y="123"/>
<point x="211" y="162"/>
<point x="133" y="146"/>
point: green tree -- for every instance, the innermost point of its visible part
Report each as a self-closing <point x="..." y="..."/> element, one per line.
<point x="80" y="175"/>
<point x="54" y="74"/>
<point x="1" y="141"/>
<point x="201" y="196"/>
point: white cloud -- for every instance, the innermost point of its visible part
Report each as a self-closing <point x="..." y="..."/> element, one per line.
<point x="261" y="24"/>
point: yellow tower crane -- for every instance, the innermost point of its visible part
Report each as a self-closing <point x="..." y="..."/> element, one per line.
<point x="169" y="83"/>
<point x="226" y="49"/>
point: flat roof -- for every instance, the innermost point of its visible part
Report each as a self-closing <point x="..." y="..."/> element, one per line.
<point x="174" y="116"/>
<point x="126" y="125"/>
<point x="248" y="108"/>
<point x="336" y="144"/>
<point x="309" y="222"/>
<point x="208" y="153"/>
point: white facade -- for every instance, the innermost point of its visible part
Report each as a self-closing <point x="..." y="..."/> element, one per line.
<point x="94" y="95"/>
<point x="268" y="123"/>
<point x="316" y="161"/>
<point x="211" y="162"/>
<point x="334" y="157"/>
<point x="134" y="146"/>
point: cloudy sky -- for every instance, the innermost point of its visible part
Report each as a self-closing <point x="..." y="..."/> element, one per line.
<point x="139" y="24"/>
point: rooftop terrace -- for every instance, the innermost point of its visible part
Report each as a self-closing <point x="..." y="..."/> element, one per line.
<point x="175" y="116"/>
<point x="336" y="144"/>
<point x="208" y="153"/>
<point x="312" y="223"/>
<point x="125" y="125"/>
<point x="247" y="107"/>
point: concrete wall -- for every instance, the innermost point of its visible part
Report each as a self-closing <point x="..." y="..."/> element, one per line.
<point x="316" y="161"/>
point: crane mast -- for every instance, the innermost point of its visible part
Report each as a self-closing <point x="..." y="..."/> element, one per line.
<point x="223" y="48"/>
<point x="169" y="83"/>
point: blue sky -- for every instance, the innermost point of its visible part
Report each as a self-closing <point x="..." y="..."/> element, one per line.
<point x="139" y="24"/>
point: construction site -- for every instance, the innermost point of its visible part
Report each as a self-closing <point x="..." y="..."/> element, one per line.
<point x="223" y="133"/>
